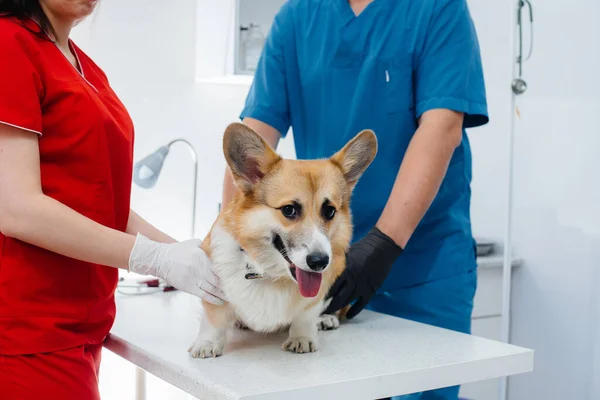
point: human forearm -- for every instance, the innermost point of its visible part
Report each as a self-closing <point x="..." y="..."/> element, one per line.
<point x="137" y="224"/>
<point x="421" y="173"/>
<point x="44" y="222"/>
<point x="27" y="214"/>
<point x="30" y="216"/>
<point x="370" y="260"/>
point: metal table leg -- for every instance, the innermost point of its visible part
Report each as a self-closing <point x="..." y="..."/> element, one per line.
<point x="140" y="384"/>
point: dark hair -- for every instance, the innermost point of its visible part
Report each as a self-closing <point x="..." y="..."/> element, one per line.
<point x="23" y="9"/>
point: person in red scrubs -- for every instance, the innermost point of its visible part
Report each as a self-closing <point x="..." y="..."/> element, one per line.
<point x="66" y="150"/>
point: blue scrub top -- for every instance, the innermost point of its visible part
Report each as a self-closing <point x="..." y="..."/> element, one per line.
<point x="329" y="74"/>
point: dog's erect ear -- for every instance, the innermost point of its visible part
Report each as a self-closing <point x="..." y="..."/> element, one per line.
<point x="248" y="155"/>
<point x="357" y="155"/>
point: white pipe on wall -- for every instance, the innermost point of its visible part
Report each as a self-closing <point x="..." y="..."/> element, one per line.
<point x="507" y="265"/>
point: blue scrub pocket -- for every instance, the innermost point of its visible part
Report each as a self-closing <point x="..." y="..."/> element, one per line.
<point x="398" y="77"/>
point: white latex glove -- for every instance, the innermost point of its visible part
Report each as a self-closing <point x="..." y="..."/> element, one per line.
<point x="183" y="265"/>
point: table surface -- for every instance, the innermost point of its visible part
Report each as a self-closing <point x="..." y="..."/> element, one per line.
<point x="372" y="356"/>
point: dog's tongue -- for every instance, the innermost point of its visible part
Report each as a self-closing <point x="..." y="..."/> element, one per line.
<point x="309" y="283"/>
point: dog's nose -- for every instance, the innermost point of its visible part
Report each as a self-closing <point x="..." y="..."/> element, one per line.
<point x="317" y="261"/>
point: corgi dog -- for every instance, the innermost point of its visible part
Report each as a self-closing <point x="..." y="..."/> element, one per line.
<point x="289" y="226"/>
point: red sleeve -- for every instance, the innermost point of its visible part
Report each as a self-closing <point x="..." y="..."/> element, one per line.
<point x="20" y="85"/>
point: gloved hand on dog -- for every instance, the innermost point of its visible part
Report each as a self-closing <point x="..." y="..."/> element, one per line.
<point x="183" y="265"/>
<point x="368" y="263"/>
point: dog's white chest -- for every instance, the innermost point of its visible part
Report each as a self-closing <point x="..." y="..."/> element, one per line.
<point x="259" y="306"/>
<point x="259" y="303"/>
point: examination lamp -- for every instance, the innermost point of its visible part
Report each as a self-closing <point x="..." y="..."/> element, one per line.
<point x="147" y="170"/>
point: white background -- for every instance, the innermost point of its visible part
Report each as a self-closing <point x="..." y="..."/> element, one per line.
<point x="152" y="50"/>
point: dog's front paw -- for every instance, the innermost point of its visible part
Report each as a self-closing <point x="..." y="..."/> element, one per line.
<point x="301" y="345"/>
<point x="206" y="349"/>
<point x="328" y="322"/>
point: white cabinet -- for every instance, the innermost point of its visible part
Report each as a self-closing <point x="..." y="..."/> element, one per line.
<point x="488" y="297"/>
<point x="487" y="320"/>
<point x="488" y="328"/>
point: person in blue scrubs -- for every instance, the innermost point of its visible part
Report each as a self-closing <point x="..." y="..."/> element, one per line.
<point x="411" y="71"/>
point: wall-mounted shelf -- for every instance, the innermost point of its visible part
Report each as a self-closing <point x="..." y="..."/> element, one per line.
<point x="238" y="29"/>
<point x="253" y="19"/>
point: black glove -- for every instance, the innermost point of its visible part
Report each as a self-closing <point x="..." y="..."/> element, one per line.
<point x="368" y="263"/>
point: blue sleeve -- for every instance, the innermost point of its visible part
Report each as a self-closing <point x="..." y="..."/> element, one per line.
<point x="267" y="100"/>
<point x="449" y="73"/>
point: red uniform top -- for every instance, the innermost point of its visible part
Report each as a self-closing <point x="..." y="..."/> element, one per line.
<point x="49" y="302"/>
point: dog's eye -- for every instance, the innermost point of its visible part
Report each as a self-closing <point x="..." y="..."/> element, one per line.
<point x="289" y="211"/>
<point x="328" y="212"/>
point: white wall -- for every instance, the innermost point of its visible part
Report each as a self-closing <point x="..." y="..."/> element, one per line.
<point x="557" y="215"/>
<point x="556" y="294"/>
<point x="490" y="142"/>
<point x="215" y="37"/>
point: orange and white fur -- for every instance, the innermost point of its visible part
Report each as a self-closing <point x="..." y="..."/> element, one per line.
<point x="290" y="224"/>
